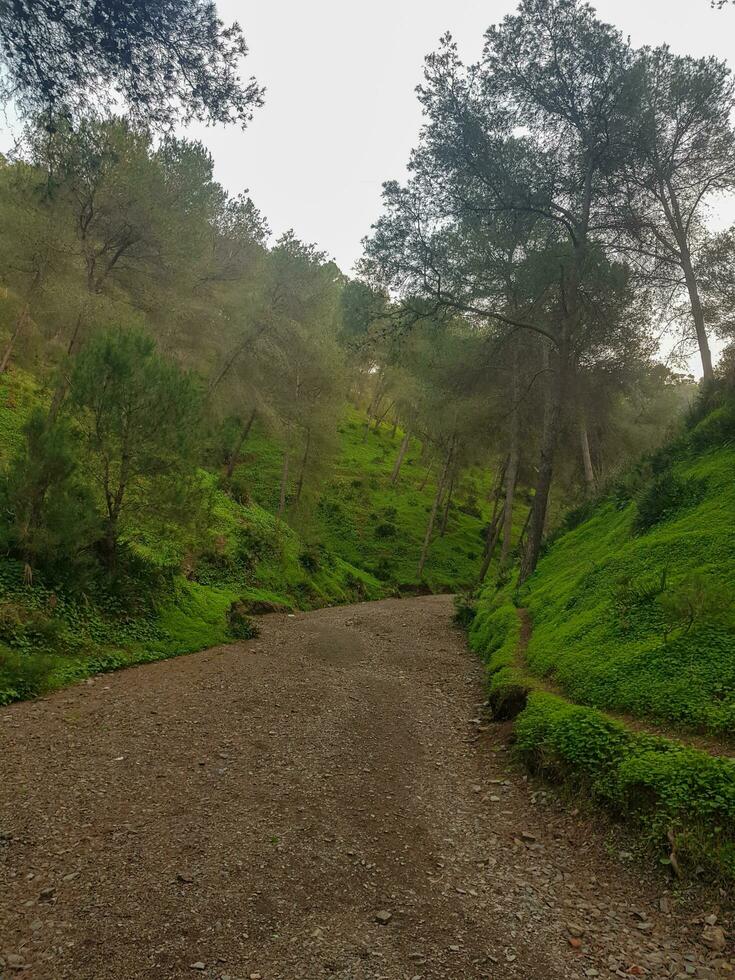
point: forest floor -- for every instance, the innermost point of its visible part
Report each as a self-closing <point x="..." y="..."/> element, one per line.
<point x="323" y="801"/>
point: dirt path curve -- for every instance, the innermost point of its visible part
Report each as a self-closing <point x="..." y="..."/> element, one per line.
<point x="246" y="812"/>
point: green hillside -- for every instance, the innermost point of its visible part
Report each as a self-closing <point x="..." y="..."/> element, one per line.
<point x="352" y="537"/>
<point x="356" y="513"/>
<point x="626" y="634"/>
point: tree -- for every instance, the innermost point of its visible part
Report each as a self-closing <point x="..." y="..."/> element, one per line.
<point x="52" y="518"/>
<point x="716" y="274"/>
<point x="168" y="61"/>
<point x="561" y="76"/>
<point x="683" y="153"/>
<point x="36" y="253"/>
<point x="139" y="218"/>
<point x="139" y="415"/>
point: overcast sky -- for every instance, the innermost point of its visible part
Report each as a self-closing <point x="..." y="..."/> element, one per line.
<point x="341" y="114"/>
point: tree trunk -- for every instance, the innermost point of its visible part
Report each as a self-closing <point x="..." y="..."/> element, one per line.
<point x="246" y="344"/>
<point x="493" y="534"/>
<point x="549" y="440"/>
<point x="304" y="460"/>
<point x="432" y="515"/>
<point x="589" y="472"/>
<point x="111" y="544"/>
<point x="427" y="475"/>
<point x="511" y="473"/>
<point x="494" y="495"/>
<point x="697" y="315"/>
<point x="284" y="485"/>
<point x="63" y="383"/>
<point x="399" y="458"/>
<point x="395" y="428"/>
<point x="234" y="454"/>
<point x="445" y="515"/>
<point x="522" y="535"/>
<point x="511" y="479"/>
<point x="20" y="323"/>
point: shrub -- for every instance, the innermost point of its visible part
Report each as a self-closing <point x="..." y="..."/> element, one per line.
<point x="659" y="783"/>
<point x="310" y="559"/>
<point x="22" y="675"/>
<point x="239" y="623"/>
<point x="663" y="497"/>
<point x="716" y="429"/>
<point x="52" y="514"/>
<point x="386" y="530"/>
<point x="697" y="598"/>
<point x="464" y="609"/>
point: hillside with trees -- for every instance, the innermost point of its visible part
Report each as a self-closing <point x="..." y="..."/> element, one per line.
<point x="202" y="422"/>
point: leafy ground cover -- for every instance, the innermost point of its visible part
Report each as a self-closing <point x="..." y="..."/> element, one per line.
<point x="358" y="515"/>
<point x="633" y="610"/>
<point x="353" y="536"/>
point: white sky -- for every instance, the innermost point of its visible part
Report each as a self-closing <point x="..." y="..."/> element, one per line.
<point x="341" y="113"/>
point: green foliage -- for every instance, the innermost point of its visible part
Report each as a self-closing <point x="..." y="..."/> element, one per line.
<point x="22" y="676"/>
<point x="139" y="416"/>
<point x="645" y="623"/>
<point x="662" y="497"/>
<point x="662" y="785"/>
<point x="50" y="513"/>
<point x="698" y="598"/>
<point x="239" y="623"/>
<point x="368" y="522"/>
<point x="465" y="609"/>
<point x="635" y="623"/>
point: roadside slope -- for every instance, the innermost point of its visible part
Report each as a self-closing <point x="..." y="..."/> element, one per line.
<point x="625" y="685"/>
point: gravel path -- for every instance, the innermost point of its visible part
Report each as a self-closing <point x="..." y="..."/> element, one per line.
<point x="253" y="810"/>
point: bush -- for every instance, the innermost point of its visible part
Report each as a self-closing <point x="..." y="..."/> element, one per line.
<point x="310" y="559"/>
<point x="660" y="784"/>
<point x="386" y="530"/>
<point x="464" y="609"/>
<point x="22" y="674"/>
<point x="51" y="515"/>
<point x="716" y="429"/>
<point x="239" y="623"/>
<point x="663" y="497"/>
<point x="696" y="599"/>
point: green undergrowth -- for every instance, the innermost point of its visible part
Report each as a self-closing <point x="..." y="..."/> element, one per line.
<point x="642" y="621"/>
<point x="669" y="791"/>
<point x="53" y="632"/>
<point x="352" y="536"/>
<point x="357" y="514"/>
<point x="633" y="611"/>
<point x="675" y="794"/>
<point x="495" y="632"/>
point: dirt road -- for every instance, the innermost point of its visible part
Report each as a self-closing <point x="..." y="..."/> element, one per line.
<point x="251" y="811"/>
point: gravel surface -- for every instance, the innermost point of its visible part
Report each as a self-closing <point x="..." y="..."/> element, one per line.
<point x="324" y="801"/>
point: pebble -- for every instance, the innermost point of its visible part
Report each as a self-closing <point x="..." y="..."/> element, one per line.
<point x="383" y="917"/>
<point x="713" y="938"/>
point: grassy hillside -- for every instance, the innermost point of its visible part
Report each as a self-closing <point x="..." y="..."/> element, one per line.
<point x="352" y="537"/>
<point x="630" y="622"/>
<point x="52" y="632"/>
<point x="356" y="514"/>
